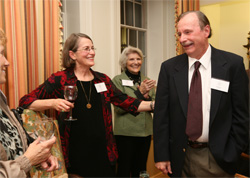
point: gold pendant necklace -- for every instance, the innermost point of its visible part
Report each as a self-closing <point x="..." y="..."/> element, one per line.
<point x="88" y="105"/>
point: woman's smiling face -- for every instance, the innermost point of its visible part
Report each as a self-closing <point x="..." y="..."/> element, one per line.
<point x="134" y="63"/>
<point x="3" y="65"/>
<point x="85" y="54"/>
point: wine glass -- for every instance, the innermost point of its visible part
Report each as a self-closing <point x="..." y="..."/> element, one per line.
<point x="70" y="94"/>
<point x="44" y="128"/>
<point x="144" y="174"/>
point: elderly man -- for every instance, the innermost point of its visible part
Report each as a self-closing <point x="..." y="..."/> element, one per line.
<point x="201" y="116"/>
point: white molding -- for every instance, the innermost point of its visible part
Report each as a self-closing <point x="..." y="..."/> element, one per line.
<point x="160" y="36"/>
<point x="86" y="16"/>
<point x="169" y="29"/>
<point x="116" y="45"/>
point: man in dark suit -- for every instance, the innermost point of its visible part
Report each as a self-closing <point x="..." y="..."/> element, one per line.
<point x="225" y="115"/>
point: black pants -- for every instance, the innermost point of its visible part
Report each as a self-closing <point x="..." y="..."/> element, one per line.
<point x="132" y="155"/>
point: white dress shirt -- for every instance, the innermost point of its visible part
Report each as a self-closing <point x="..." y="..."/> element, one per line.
<point x="205" y="71"/>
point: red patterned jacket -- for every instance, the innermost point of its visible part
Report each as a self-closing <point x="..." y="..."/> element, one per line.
<point x="53" y="88"/>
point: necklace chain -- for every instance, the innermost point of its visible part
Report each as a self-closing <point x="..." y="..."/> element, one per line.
<point x="88" y="99"/>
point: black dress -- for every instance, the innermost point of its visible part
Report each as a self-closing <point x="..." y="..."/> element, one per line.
<point x="87" y="143"/>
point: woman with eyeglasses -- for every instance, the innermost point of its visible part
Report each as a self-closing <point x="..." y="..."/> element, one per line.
<point x="133" y="133"/>
<point x="88" y="143"/>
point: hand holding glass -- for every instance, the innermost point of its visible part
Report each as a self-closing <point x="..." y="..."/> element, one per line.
<point x="70" y="94"/>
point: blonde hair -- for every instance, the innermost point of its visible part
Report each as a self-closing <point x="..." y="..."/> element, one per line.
<point x="124" y="56"/>
<point x="3" y="39"/>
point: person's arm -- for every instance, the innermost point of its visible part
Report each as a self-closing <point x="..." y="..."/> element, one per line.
<point x="48" y="95"/>
<point x="57" y="104"/>
<point x="117" y="82"/>
<point x="161" y="118"/>
<point x="36" y="153"/>
<point x="127" y="101"/>
<point x="146" y="106"/>
<point x="14" y="168"/>
<point x="120" y="99"/>
<point x="129" y="104"/>
<point x="239" y="98"/>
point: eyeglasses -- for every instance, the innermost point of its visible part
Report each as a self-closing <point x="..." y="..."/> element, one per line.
<point x="87" y="49"/>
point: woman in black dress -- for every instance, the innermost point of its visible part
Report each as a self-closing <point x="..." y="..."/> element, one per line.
<point x="88" y="144"/>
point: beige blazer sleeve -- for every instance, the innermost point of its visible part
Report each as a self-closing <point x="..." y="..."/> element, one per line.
<point x="13" y="168"/>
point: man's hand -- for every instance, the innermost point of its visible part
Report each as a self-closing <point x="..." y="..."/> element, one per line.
<point x="164" y="167"/>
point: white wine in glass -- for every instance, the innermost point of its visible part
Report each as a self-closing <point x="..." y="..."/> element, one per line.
<point x="70" y="94"/>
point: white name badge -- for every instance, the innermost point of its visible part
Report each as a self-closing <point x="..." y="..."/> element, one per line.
<point x="221" y="85"/>
<point x="100" y="87"/>
<point x="127" y="83"/>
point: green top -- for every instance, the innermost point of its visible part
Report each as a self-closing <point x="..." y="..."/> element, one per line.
<point x="126" y="124"/>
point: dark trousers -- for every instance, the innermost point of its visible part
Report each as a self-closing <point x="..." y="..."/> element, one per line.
<point x="132" y="155"/>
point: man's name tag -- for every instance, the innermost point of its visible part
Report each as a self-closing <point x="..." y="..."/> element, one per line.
<point x="127" y="83"/>
<point x="100" y="87"/>
<point x="221" y="85"/>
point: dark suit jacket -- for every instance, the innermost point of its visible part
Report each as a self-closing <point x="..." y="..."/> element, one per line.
<point x="229" y="115"/>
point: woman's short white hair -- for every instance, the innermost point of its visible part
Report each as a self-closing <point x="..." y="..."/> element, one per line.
<point x="124" y="56"/>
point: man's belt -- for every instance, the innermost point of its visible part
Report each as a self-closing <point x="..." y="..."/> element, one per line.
<point x="197" y="144"/>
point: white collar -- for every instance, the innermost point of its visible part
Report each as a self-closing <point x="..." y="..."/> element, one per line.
<point x="204" y="60"/>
